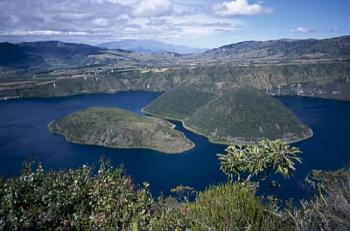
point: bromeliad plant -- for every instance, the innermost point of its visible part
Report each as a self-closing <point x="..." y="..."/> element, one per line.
<point x="261" y="159"/>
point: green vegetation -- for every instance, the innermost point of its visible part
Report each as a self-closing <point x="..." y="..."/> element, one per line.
<point x="83" y="199"/>
<point x="261" y="159"/>
<point x="80" y="200"/>
<point x="246" y="115"/>
<point x="238" y="116"/>
<point x="73" y="200"/>
<point x="179" y="103"/>
<point x="222" y="207"/>
<point x="118" y="128"/>
<point x="331" y="209"/>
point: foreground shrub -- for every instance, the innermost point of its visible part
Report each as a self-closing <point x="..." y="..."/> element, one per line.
<point x="224" y="207"/>
<point x="81" y="199"/>
<point x="73" y="200"/>
<point x="331" y="209"/>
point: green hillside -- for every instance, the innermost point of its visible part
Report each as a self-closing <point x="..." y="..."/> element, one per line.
<point x="112" y="127"/>
<point x="246" y="115"/>
<point x="179" y="103"/>
<point x="237" y="116"/>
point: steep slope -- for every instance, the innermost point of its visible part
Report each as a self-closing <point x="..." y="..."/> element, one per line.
<point x="179" y="103"/>
<point x="117" y="128"/>
<point x="246" y="115"/>
<point x="237" y="116"/>
<point x="324" y="80"/>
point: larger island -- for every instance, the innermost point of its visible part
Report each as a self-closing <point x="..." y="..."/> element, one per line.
<point x="237" y="116"/>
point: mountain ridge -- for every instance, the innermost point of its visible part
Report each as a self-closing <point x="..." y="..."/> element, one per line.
<point x="285" y="49"/>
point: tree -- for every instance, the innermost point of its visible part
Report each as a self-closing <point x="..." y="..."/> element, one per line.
<point x="260" y="159"/>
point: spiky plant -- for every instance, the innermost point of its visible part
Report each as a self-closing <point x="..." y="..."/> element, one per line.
<point x="259" y="159"/>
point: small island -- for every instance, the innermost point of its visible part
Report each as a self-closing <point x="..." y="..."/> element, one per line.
<point x="117" y="128"/>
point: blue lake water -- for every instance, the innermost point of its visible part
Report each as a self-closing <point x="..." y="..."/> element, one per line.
<point x="24" y="134"/>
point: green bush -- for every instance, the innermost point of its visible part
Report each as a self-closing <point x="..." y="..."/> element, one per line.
<point x="223" y="207"/>
<point x="73" y="200"/>
<point x="331" y="209"/>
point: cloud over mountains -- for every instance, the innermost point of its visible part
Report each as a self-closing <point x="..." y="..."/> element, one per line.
<point x="239" y="7"/>
<point x="96" y="21"/>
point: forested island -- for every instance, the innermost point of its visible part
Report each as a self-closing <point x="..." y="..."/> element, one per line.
<point x="239" y="116"/>
<point x="117" y="128"/>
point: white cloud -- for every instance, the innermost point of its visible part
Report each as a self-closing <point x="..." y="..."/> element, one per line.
<point x="153" y="8"/>
<point x="96" y="21"/>
<point x="239" y="7"/>
<point x="43" y="33"/>
<point x="102" y="22"/>
<point x="75" y="33"/>
<point x="302" y="30"/>
<point x="121" y="2"/>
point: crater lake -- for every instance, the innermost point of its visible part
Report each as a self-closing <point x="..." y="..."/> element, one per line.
<point x="24" y="136"/>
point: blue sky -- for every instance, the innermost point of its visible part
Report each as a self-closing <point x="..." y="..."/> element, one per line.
<point x="206" y="23"/>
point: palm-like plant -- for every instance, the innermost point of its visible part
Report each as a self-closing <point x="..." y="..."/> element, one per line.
<point x="266" y="156"/>
<point x="233" y="163"/>
<point x="281" y="156"/>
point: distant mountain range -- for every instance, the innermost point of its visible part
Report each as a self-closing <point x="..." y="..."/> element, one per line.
<point x="55" y="53"/>
<point x="151" y="46"/>
<point x="284" y="49"/>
